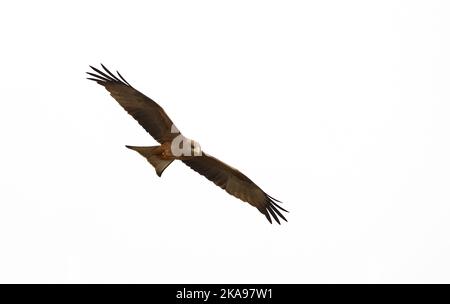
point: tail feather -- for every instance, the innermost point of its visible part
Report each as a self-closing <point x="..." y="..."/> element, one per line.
<point x="152" y="154"/>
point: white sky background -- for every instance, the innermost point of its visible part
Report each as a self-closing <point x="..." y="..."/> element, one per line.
<point x="338" y="108"/>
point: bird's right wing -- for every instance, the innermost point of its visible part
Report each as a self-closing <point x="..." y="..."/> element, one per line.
<point x="236" y="184"/>
<point x="147" y="112"/>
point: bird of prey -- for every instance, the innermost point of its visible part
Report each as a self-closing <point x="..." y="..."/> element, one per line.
<point x="174" y="146"/>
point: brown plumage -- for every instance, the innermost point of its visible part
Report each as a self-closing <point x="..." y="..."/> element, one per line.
<point x="158" y="124"/>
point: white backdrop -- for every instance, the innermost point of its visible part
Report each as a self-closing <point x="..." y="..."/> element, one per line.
<point x="338" y="108"/>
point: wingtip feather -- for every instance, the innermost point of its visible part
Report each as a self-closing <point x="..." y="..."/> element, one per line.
<point x="274" y="209"/>
<point x="107" y="76"/>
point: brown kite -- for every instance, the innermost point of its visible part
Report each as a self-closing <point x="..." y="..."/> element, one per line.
<point x="173" y="145"/>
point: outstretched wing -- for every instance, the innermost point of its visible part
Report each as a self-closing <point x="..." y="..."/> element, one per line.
<point x="236" y="184"/>
<point x="147" y="112"/>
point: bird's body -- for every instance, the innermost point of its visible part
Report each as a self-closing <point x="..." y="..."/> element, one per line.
<point x="175" y="146"/>
<point x="166" y="152"/>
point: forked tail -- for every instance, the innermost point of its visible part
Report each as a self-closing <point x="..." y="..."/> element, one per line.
<point x="153" y="155"/>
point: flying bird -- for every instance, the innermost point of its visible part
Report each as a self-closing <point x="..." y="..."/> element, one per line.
<point x="174" y="146"/>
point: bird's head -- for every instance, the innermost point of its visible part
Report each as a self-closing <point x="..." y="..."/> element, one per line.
<point x="196" y="150"/>
<point x="182" y="146"/>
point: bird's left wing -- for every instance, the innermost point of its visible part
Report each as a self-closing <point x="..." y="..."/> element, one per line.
<point x="147" y="112"/>
<point x="236" y="184"/>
